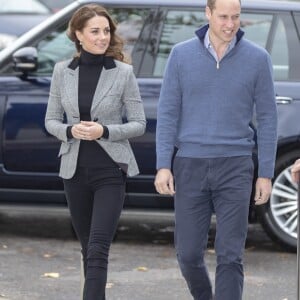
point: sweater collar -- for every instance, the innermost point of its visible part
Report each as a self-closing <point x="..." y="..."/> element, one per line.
<point x="200" y="33"/>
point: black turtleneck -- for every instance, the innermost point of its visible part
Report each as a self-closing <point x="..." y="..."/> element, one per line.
<point x="90" y="67"/>
<point x="91" y="153"/>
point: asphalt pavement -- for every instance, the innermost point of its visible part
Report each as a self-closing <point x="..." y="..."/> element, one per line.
<point x="40" y="259"/>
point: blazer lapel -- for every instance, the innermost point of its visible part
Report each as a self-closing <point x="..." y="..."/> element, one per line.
<point x="106" y="80"/>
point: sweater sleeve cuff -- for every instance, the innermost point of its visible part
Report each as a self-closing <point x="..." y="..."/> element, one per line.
<point x="105" y="134"/>
<point x="69" y="132"/>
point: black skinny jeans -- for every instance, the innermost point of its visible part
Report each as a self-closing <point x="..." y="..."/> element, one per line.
<point x="95" y="198"/>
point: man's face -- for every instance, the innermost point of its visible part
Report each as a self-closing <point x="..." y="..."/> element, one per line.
<point x="224" y="20"/>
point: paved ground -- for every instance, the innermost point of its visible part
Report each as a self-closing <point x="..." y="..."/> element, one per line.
<point x="39" y="259"/>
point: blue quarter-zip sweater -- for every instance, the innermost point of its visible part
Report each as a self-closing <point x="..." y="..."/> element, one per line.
<point x="207" y="112"/>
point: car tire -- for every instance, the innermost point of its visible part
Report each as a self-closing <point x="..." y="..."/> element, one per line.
<point x="279" y="216"/>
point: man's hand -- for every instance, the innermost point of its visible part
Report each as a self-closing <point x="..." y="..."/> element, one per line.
<point x="263" y="190"/>
<point x="164" y="182"/>
<point x="295" y="171"/>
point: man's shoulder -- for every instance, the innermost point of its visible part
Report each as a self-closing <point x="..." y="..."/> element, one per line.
<point x="187" y="46"/>
<point x="253" y="47"/>
<point x="187" y="43"/>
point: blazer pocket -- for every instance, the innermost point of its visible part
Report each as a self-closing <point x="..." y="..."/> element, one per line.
<point x="64" y="148"/>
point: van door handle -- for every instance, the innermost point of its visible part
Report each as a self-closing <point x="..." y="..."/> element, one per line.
<point x="283" y="100"/>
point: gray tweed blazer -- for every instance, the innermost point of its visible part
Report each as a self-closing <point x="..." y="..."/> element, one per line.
<point x="116" y="92"/>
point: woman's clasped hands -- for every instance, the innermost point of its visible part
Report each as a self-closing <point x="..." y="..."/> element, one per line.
<point x="87" y="130"/>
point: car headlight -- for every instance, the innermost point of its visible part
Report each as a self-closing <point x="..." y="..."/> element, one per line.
<point x="6" y="39"/>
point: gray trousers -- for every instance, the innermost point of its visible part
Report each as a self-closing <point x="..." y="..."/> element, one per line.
<point x="205" y="186"/>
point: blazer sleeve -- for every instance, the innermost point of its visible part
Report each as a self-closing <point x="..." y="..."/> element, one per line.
<point x="55" y="112"/>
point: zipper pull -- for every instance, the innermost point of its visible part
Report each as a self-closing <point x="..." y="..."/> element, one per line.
<point x="218" y="66"/>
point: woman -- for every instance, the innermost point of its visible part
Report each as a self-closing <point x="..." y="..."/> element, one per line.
<point x="87" y="97"/>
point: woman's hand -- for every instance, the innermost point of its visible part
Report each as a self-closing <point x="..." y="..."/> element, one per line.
<point x="87" y="130"/>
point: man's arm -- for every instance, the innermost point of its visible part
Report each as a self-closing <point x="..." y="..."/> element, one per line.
<point x="168" y="112"/>
<point x="266" y="117"/>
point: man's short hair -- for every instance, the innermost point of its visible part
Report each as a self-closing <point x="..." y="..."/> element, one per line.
<point x="212" y="4"/>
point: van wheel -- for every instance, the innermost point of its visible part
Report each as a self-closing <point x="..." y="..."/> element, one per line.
<point x="279" y="217"/>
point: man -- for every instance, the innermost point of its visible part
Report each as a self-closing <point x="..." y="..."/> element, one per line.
<point x="212" y="84"/>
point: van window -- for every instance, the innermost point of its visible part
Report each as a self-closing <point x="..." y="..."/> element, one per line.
<point x="57" y="47"/>
<point x="297" y="21"/>
<point x="178" y="26"/>
<point x="280" y="53"/>
<point x="52" y="49"/>
<point x="130" y="24"/>
<point x="257" y="28"/>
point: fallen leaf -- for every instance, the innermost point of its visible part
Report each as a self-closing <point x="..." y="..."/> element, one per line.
<point x="47" y="255"/>
<point x="109" y="285"/>
<point x="51" y="275"/>
<point x="142" y="269"/>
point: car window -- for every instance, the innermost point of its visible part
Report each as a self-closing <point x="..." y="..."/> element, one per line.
<point x="130" y="24"/>
<point x="178" y="26"/>
<point x="297" y="20"/>
<point x="280" y="53"/>
<point x="57" y="47"/>
<point x="257" y="28"/>
<point x="54" y="48"/>
<point x="26" y="7"/>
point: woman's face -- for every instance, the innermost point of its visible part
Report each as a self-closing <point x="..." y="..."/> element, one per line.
<point x="95" y="36"/>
